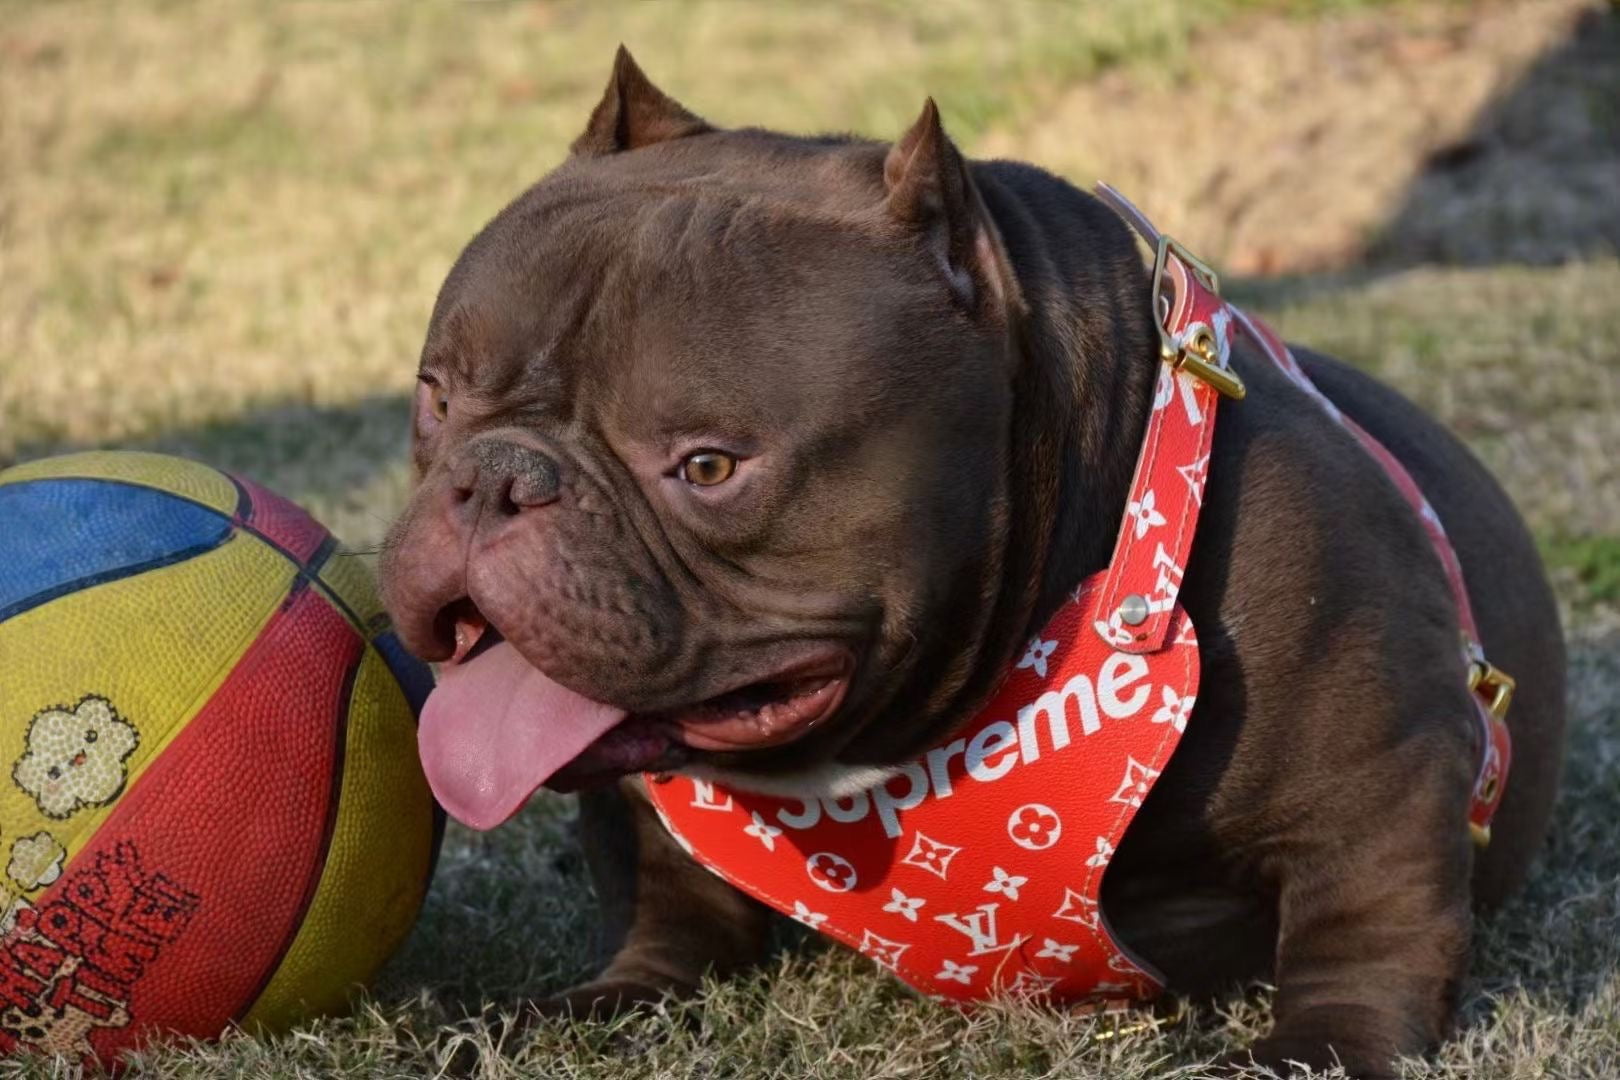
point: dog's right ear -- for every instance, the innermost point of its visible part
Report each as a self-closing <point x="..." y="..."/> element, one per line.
<point x="931" y="191"/>
<point x="634" y="113"/>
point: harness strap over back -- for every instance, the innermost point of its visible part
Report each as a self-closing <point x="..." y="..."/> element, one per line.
<point x="1195" y="290"/>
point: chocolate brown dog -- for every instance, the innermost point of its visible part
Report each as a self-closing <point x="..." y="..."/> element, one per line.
<point x="757" y="456"/>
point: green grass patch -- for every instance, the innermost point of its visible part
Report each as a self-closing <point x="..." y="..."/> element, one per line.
<point x="1591" y="564"/>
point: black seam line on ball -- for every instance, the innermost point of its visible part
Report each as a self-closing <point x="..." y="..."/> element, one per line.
<point x="307" y="573"/>
<point x="105" y="577"/>
<point x="334" y="796"/>
<point x="237" y="521"/>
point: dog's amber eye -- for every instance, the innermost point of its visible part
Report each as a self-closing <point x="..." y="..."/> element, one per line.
<point x="707" y="468"/>
<point x="432" y="402"/>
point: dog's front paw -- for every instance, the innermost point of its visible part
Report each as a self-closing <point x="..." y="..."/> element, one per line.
<point x="1358" y="1040"/>
<point x="1288" y="1058"/>
<point x="603" y="999"/>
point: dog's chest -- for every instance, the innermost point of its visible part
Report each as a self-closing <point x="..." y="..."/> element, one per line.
<point x="976" y="870"/>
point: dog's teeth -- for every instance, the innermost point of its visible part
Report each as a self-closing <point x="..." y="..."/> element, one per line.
<point x="468" y="634"/>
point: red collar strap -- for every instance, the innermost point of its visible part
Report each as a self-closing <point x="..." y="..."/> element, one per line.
<point x="1492" y="688"/>
<point x="976" y="870"/>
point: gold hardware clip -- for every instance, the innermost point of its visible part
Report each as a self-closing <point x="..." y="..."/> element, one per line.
<point x="1483" y="675"/>
<point x="1198" y="357"/>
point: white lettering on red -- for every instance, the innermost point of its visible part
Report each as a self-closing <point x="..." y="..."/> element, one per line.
<point x="939" y="765"/>
<point x="1054" y="704"/>
<point x="992" y="739"/>
<point x="1118" y="672"/>
<point x="889" y="805"/>
<point x="804" y="819"/>
<point x="858" y="805"/>
<point x="1121" y="691"/>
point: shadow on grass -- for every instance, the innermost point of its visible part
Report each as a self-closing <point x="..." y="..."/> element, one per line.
<point x="318" y="455"/>
<point x="1536" y="180"/>
<point x="510" y="917"/>
<point x="1557" y="943"/>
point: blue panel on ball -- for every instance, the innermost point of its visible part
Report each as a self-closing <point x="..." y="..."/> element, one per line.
<point x="58" y="536"/>
<point x="413" y="676"/>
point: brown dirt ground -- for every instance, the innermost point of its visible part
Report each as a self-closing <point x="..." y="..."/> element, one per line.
<point x="1466" y="132"/>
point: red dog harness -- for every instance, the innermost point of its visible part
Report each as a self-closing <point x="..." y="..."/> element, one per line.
<point x="976" y="870"/>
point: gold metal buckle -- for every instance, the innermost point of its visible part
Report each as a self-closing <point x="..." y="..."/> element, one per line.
<point x="1199" y="357"/>
<point x="1486" y="676"/>
<point x="1483" y="675"/>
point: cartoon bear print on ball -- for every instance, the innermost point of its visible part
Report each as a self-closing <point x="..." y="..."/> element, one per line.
<point x="75" y="758"/>
<point x="35" y="860"/>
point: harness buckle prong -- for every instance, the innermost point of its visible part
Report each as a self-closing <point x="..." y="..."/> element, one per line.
<point x="1486" y="678"/>
<point x="1198" y="357"/>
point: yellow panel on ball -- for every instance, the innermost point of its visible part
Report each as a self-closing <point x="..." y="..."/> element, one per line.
<point x="156" y="672"/>
<point x="187" y="479"/>
<point x="370" y="890"/>
<point x="346" y="577"/>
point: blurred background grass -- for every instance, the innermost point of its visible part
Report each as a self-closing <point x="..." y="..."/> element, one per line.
<point x="222" y="226"/>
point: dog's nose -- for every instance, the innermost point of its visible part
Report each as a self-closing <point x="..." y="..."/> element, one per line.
<point x="505" y="477"/>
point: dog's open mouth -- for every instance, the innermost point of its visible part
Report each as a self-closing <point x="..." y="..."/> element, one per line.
<point x="497" y="728"/>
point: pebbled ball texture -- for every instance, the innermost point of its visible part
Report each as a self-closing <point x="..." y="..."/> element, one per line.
<point x="212" y="810"/>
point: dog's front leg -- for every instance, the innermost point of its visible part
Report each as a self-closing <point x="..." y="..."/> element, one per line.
<point x="1373" y="942"/>
<point x="668" y="921"/>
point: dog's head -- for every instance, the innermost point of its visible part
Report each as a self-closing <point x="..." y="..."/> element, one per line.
<point x="715" y="439"/>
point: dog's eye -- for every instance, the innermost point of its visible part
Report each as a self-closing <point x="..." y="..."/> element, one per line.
<point x="707" y="468"/>
<point x="433" y="402"/>
<point x="90" y="735"/>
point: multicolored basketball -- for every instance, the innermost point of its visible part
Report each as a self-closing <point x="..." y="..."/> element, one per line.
<point x="211" y="809"/>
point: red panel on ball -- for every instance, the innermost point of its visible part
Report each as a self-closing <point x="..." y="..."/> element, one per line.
<point x="281" y="522"/>
<point x="155" y="925"/>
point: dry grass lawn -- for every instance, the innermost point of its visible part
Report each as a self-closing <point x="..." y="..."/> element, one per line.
<point x="222" y="226"/>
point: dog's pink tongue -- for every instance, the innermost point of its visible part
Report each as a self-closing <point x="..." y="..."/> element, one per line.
<point x="495" y="729"/>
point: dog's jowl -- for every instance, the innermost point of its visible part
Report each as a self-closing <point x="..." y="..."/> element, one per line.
<point x="872" y="535"/>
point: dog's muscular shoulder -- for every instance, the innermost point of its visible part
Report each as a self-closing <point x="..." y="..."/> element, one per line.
<point x="920" y="382"/>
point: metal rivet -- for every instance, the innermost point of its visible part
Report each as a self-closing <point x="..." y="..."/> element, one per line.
<point x="1133" y="610"/>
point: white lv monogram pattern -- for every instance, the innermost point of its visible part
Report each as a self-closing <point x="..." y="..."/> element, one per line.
<point x="980" y="929"/>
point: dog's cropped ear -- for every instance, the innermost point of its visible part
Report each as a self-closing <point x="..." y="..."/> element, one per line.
<point x="929" y="189"/>
<point x="633" y="112"/>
